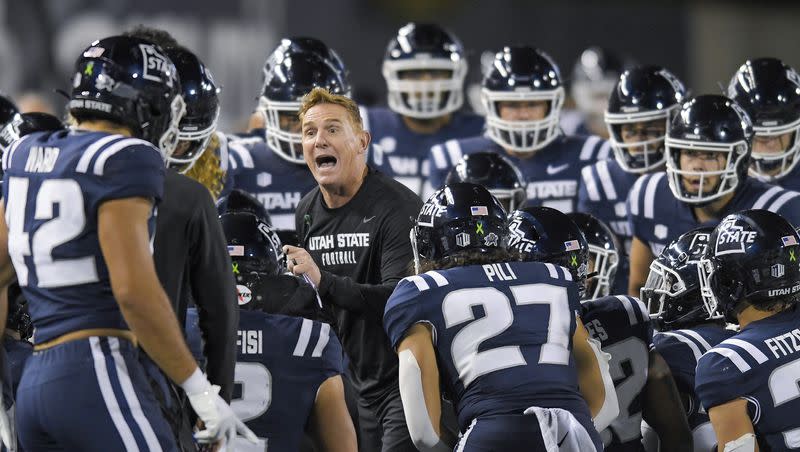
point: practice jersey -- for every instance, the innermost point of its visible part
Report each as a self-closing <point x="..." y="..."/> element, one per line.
<point x="552" y="173"/>
<point x="760" y="364"/>
<point x="622" y="325"/>
<point x="681" y="349"/>
<point x="53" y="186"/>
<point x="276" y="182"/>
<point x="657" y="217"/>
<point x="281" y="363"/>
<point x="401" y="153"/>
<point x="603" y="192"/>
<point x="502" y="333"/>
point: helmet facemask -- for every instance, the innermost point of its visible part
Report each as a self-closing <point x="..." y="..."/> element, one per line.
<point x="664" y="283"/>
<point x="765" y="164"/>
<point x="195" y="142"/>
<point x="523" y="136"/>
<point x="730" y="175"/>
<point x="169" y="139"/>
<point x="604" y="268"/>
<point x="286" y="142"/>
<point x="425" y="99"/>
<point x="639" y="156"/>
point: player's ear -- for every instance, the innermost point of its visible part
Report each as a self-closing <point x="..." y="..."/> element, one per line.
<point x="364" y="139"/>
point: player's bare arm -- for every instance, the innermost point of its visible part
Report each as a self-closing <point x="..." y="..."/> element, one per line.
<point x="333" y="429"/>
<point x="641" y="256"/>
<point x="663" y="409"/>
<point x="731" y="423"/>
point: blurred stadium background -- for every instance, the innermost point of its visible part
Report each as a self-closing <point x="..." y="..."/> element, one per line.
<point x="703" y="42"/>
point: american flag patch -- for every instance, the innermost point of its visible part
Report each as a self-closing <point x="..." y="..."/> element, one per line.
<point x="572" y="245"/>
<point x="789" y="240"/>
<point x="479" y="210"/>
<point x="236" y="250"/>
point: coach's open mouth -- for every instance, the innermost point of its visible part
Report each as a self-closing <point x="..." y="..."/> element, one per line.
<point x="325" y="161"/>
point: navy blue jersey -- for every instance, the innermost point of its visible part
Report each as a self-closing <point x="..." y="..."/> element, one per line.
<point x="552" y="173"/>
<point x="603" y="192"/>
<point x="281" y="363"/>
<point x="790" y="181"/>
<point x="402" y="153"/>
<point x="276" y="182"/>
<point x="502" y="332"/>
<point x="760" y="364"/>
<point x="53" y="186"/>
<point x="681" y="349"/>
<point x="657" y="217"/>
<point x="622" y="325"/>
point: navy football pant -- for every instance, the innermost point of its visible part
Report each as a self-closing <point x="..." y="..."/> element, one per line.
<point x="89" y="395"/>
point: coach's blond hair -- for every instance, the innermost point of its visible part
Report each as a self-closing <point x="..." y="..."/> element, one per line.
<point x="319" y="96"/>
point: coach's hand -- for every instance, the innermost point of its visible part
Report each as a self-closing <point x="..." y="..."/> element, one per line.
<point x="300" y="262"/>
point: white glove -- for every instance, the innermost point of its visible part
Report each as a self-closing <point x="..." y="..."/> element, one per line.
<point x="221" y="424"/>
<point x="7" y="434"/>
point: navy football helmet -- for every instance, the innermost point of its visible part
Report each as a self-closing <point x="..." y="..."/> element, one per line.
<point x="715" y="126"/>
<point x="493" y="171"/>
<point x="604" y="253"/>
<point x="238" y="201"/>
<point x="292" y="71"/>
<point x="457" y="218"/>
<point x="642" y="95"/>
<point x="522" y="74"/>
<point x="752" y="255"/>
<point x="25" y="123"/>
<point x="131" y="82"/>
<point x="769" y="91"/>
<point x="419" y="50"/>
<point x="253" y="253"/>
<point x="672" y="290"/>
<point x="8" y="109"/>
<point x="202" y="108"/>
<point x="544" y="234"/>
<point x="19" y="319"/>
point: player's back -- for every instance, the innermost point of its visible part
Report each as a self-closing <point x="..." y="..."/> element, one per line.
<point x="502" y="334"/>
<point x="681" y="349"/>
<point x="281" y="363"/>
<point x="622" y="325"/>
<point x="54" y="184"/>
<point x="760" y="364"/>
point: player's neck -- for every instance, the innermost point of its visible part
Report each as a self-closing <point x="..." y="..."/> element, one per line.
<point x="101" y="125"/>
<point x="426" y="126"/>
<point x="711" y="210"/>
<point x="336" y="196"/>
<point x="751" y="314"/>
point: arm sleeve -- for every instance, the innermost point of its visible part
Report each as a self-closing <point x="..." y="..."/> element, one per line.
<point x="395" y="257"/>
<point x="214" y="292"/>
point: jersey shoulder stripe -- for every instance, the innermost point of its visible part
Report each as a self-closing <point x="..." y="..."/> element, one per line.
<point x="113" y="149"/>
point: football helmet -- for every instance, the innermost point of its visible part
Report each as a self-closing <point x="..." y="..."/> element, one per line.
<point x="672" y="290"/>
<point x="752" y="255"/>
<point x="458" y="217"/>
<point x="289" y="74"/>
<point x="714" y="125"/>
<point x="25" y="123"/>
<point x="131" y="82"/>
<point x="594" y="75"/>
<point x="604" y="253"/>
<point x="641" y="95"/>
<point x="202" y="108"/>
<point x="769" y="91"/>
<point x="495" y="172"/>
<point x="544" y="234"/>
<point x="253" y="253"/>
<point x="238" y="201"/>
<point x="8" y="109"/>
<point x="522" y="74"/>
<point x="422" y="49"/>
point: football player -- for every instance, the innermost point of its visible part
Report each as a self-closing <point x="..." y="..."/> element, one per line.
<point x="707" y="153"/>
<point x="641" y="378"/>
<point x="496" y="173"/>
<point x="643" y="102"/>
<point x="523" y="94"/>
<point x="748" y="383"/>
<point x="522" y="373"/>
<point x="25" y="123"/>
<point x="86" y="267"/>
<point x="424" y="68"/>
<point x="269" y="162"/>
<point x="687" y="325"/>
<point x="289" y="364"/>
<point x="769" y="91"/>
<point x="593" y="77"/>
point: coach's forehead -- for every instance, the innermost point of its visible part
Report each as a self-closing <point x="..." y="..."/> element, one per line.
<point x="324" y="113"/>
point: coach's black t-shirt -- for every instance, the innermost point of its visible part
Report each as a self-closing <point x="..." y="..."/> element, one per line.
<point x="362" y="250"/>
